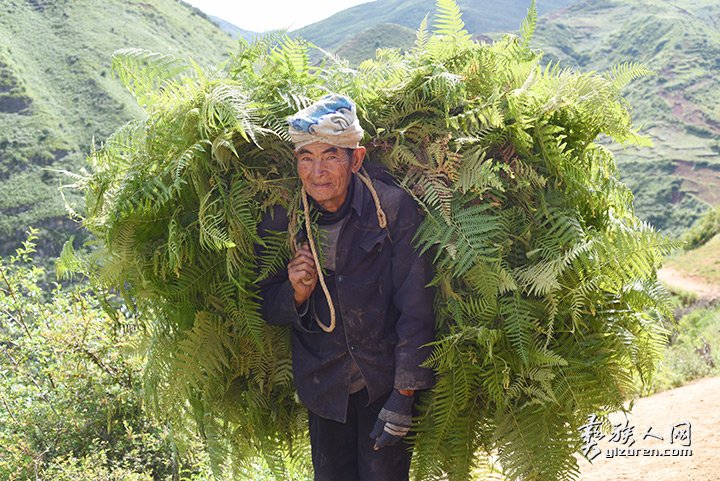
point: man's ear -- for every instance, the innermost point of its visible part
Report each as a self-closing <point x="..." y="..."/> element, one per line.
<point x="358" y="156"/>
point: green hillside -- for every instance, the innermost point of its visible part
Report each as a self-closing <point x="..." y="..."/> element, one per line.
<point x="479" y="16"/>
<point x="57" y="92"/>
<point x="363" y="45"/>
<point x="677" y="108"/>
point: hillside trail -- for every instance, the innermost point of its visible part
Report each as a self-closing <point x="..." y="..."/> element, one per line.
<point x="669" y="436"/>
<point x="689" y="282"/>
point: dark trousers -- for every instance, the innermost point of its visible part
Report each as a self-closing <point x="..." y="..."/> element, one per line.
<point x="344" y="451"/>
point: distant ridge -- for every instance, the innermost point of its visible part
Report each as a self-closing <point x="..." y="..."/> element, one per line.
<point x="480" y="16"/>
<point x="233" y="30"/>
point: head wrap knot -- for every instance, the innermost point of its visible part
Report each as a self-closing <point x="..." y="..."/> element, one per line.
<point x="332" y="120"/>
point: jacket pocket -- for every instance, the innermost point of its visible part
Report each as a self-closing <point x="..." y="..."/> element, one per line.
<point x="373" y="241"/>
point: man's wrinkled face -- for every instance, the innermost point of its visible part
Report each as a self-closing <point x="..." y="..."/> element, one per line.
<point x="326" y="170"/>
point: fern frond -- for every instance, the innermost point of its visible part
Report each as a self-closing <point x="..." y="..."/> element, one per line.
<point x="527" y="29"/>
<point x="621" y="75"/>
<point x="422" y="35"/>
<point x="144" y="72"/>
<point x="448" y="20"/>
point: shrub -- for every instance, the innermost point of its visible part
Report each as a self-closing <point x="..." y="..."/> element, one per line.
<point x="70" y="391"/>
<point x="703" y="230"/>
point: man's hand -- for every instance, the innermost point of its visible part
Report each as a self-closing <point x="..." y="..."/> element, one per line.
<point x="394" y="420"/>
<point x="302" y="274"/>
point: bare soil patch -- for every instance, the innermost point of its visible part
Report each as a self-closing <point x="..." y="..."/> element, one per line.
<point x="701" y="181"/>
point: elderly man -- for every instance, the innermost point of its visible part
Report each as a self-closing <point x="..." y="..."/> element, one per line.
<point x="360" y="319"/>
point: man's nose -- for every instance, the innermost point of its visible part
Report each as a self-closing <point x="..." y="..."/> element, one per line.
<point x="318" y="167"/>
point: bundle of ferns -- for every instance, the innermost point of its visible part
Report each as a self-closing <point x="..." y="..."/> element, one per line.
<point x="548" y="308"/>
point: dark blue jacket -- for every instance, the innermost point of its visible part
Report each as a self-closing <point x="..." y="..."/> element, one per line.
<point x="384" y="311"/>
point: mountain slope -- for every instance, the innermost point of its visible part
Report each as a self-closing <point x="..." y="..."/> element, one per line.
<point x="677" y="108"/>
<point x="479" y="17"/>
<point x="57" y="92"/>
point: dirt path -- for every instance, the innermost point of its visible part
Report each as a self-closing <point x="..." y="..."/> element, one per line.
<point x="694" y="458"/>
<point x="687" y="282"/>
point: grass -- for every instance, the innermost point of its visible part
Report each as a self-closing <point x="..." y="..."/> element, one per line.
<point x="693" y="349"/>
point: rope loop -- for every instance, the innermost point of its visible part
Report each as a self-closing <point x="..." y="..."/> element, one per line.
<point x="321" y="277"/>
<point x="382" y="221"/>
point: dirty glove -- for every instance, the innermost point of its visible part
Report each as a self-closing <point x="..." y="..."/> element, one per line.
<point x="394" y="420"/>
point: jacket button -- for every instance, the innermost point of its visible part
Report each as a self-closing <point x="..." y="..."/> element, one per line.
<point x="340" y="278"/>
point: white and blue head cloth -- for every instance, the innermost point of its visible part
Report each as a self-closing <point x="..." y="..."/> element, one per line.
<point x="332" y="120"/>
